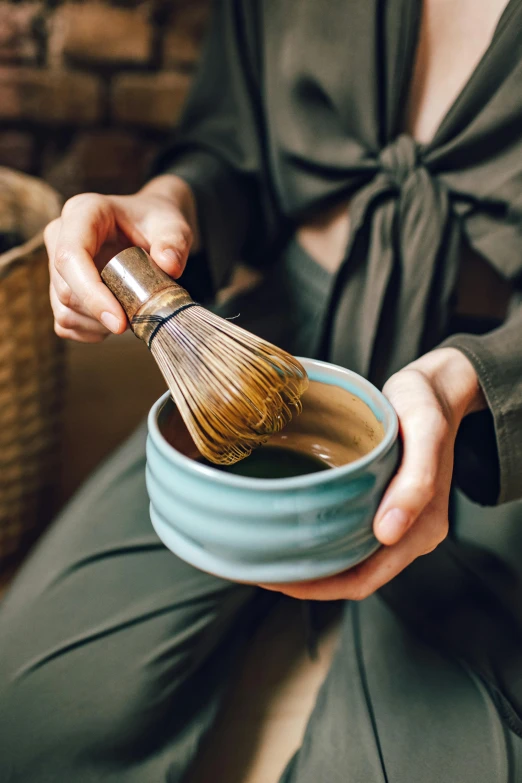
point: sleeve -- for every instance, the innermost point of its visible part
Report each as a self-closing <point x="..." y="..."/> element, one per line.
<point x="487" y="474"/>
<point x="488" y="456"/>
<point x="217" y="145"/>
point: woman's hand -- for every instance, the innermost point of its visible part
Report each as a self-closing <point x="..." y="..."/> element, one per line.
<point x="431" y="396"/>
<point x="161" y="218"/>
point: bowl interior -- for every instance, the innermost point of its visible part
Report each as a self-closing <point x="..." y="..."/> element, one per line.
<point x="335" y="426"/>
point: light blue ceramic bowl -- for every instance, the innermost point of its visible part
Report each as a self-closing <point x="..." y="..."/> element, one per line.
<point x="279" y="530"/>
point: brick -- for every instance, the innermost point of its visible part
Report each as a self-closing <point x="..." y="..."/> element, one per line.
<point x="48" y="96"/>
<point x="183" y="39"/>
<point x="102" y="161"/>
<point x="96" y="33"/>
<point x="18" y="41"/>
<point x="16" y="150"/>
<point x="150" y="100"/>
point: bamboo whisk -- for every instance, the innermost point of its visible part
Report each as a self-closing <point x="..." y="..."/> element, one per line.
<point x="232" y="389"/>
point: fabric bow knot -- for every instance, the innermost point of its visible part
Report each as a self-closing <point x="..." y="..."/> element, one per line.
<point x="399" y="258"/>
<point x="400" y="159"/>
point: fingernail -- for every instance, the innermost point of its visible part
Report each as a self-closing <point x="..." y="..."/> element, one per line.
<point x="171" y="256"/>
<point x="110" y="322"/>
<point x="393" y="524"/>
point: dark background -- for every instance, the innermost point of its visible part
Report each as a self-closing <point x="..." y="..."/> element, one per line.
<point x="90" y="90"/>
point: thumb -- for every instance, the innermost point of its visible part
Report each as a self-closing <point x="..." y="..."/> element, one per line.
<point x="427" y="455"/>
<point x="170" y="239"/>
<point x="160" y="227"/>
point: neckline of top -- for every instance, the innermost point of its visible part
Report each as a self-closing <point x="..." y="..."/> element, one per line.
<point x="468" y="87"/>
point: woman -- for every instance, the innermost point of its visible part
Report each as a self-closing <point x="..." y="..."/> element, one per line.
<point x="375" y="154"/>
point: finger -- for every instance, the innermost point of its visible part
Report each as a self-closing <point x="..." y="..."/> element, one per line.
<point x="427" y="452"/>
<point x="70" y="320"/>
<point x="86" y="224"/>
<point x="64" y="294"/>
<point x="80" y="336"/>
<point x="368" y="577"/>
<point x="163" y="230"/>
<point x="51" y="232"/>
<point x="171" y="253"/>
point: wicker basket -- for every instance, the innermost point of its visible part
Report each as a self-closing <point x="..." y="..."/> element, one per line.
<point x="31" y="368"/>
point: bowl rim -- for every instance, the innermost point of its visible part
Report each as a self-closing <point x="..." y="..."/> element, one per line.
<point x="308" y="480"/>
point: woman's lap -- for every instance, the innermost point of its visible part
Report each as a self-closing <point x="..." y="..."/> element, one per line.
<point x="114" y="654"/>
<point x="111" y="648"/>
<point x="393" y="710"/>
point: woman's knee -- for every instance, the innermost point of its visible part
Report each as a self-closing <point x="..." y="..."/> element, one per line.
<point x="110" y="689"/>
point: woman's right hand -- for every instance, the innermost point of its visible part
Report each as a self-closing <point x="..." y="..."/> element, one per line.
<point x="161" y="218"/>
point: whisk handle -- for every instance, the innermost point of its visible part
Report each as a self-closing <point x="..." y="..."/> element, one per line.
<point x="145" y="292"/>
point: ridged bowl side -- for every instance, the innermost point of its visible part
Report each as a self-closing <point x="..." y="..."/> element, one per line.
<point x="272" y="530"/>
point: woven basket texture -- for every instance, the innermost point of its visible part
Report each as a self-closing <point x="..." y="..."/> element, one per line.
<point x="31" y="368"/>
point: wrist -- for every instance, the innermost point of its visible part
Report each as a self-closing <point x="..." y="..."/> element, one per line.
<point x="455" y="380"/>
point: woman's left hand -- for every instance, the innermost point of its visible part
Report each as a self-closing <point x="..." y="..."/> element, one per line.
<point x="431" y="396"/>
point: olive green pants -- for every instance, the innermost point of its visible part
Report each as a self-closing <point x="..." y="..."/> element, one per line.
<point x="114" y="656"/>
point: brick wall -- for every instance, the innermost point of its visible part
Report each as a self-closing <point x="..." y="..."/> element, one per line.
<point x="89" y="90"/>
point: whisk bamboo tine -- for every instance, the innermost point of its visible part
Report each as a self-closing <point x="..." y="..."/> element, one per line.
<point x="232" y="389"/>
